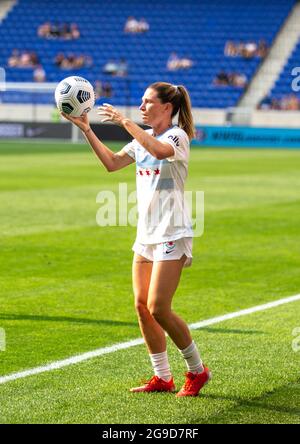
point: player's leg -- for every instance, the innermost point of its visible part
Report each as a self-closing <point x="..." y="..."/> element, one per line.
<point x="152" y="332"/>
<point x="165" y="278"/>
<point x="164" y="281"/>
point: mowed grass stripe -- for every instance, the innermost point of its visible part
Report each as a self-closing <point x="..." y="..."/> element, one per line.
<point x="66" y="286"/>
<point x="116" y="347"/>
<point x="60" y="291"/>
<point x="255" y="376"/>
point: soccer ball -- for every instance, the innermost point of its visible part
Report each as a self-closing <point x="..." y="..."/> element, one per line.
<point x="74" y="96"/>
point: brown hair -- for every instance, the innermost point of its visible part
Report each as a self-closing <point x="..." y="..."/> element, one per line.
<point x="179" y="97"/>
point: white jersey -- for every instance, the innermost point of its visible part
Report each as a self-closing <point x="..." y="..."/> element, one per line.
<point x="163" y="214"/>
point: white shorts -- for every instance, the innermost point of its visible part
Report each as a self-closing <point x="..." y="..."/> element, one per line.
<point x="166" y="251"/>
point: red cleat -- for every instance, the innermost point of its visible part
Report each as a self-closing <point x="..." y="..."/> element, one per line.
<point x="155" y="384"/>
<point x="194" y="383"/>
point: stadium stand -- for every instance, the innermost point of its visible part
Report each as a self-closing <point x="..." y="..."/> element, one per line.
<point x="281" y="96"/>
<point x="198" y="30"/>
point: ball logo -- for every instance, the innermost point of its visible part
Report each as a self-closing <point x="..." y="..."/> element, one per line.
<point x="65" y="88"/>
<point x="83" y="96"/>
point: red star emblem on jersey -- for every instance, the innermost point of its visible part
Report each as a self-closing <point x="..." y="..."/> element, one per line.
<point x="157" y="171"/>
<point x="148" y="172"/>
<point x="141" y="172"/>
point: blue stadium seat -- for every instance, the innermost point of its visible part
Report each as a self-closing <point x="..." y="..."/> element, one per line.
<point x="197" y="29"/>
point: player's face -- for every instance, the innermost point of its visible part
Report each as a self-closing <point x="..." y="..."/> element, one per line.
<point x="153" y="111"/>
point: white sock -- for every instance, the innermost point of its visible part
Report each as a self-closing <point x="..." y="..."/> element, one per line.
<point x="161" y="366"/>
<point x="192" y="358"/>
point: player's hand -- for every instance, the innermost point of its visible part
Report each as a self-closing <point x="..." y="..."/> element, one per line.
<point x="110" y="114"/>
<point x="82" y="122"/>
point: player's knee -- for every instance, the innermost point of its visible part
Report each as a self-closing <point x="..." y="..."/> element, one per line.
<point x="158" y="312"/>
<point x="141" y="309"/>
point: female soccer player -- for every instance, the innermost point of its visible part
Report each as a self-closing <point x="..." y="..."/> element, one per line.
<point x="164" y="234"/>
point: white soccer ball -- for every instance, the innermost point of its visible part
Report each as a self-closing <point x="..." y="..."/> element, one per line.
<point x="75" y="96"/>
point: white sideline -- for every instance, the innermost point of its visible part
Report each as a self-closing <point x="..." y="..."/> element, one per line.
<point x="124" y="345"/>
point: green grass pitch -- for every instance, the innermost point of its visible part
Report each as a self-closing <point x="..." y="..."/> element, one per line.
<point x="66" y="289"/>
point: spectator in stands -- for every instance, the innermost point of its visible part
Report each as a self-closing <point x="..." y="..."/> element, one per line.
<point x="143" y="25"/>
<point x="114" y="68"/>
<point x="293" y="103"/>
<point x="111" y="68"/>
<point x="34" y="60"/>
<point x="44" y="30"/>
<point x="231" y="79"/>
<point x="285" y="103"/>
<point x="238" y="80"/>
<point x="122" y="68"/>
<point x="75" y="33"/>
<point x="56" y="30"/>
<point x="39" y="74"/>
<point x="230" y="49"/>
<point x="265" y="103"/>
<point x="107" y="89"/>
<point x="14" y="59"/>
<point x="82" y="61"/>
<point x="102" y="89"/>
<point x="98" y="88"/>
<point x="135" y="26"/>
<point x="79" y="61"/>
<point x="186" y="63"/>
<point x="248" y="50"/>
<point x="270" y="103"/>
<point x="262" y="50"/>
<point x="174" y="62"/>
<point x="59" y="60"/>
<point x="222" y="78"/>
<point x="71" y="61"/>
<point x="65" y="31"/>
<point x="132" y="25"/>
<point x="24" y="59"/>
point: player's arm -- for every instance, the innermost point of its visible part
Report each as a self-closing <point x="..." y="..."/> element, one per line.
<point x="160" y="150"/>
<point x="112" y="161"/>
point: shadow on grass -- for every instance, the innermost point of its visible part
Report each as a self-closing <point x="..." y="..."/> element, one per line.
<point x="285" y="394"/>
<point x="43" y="318"/>
<point x="39" y="148"/>
<point x="25" y="317"/>
<point x="229" y="331"/>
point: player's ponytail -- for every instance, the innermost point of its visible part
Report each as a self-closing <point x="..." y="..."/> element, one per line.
<point x="179" y="97"/>
<point x="185" y="118"/>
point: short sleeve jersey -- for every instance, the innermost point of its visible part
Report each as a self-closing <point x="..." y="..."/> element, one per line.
<point x="163" y="214"/>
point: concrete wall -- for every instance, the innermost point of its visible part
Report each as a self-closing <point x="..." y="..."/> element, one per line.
<point x="276" y="119"/>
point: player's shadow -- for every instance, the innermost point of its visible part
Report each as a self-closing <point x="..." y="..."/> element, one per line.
<point x="255" y="404"/>
<point x="264" y="402"/>
<point x="231" y="331"/>
<point x="43" y="318"/>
